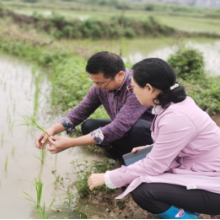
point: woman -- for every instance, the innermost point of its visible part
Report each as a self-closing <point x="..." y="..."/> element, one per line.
<point x="182" y="172"/>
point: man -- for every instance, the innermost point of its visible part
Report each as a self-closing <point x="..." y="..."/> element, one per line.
<point x="130" y="122"/>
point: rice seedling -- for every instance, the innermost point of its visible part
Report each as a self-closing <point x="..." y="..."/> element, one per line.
<point x="6" y="163"/>
<point x="13" y="149"/>
<point x="2" y="139"/>
<point x="41" y="158"/>
<point x="30" y="121"/>
<point x="38" y="187"/>
<point x="43" y="212"/>
<point x="36" y="95"/>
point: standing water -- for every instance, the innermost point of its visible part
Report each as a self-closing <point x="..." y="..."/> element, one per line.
<point x="210" y="52"/>
<point x="25" y="94"/>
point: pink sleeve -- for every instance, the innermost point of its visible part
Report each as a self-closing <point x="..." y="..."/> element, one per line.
<point x="175" y="131"/>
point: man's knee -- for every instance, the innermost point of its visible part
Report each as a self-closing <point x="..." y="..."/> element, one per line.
<point x="87" y="126"/>
<point x="93" y="124"/>
<point x="141" y="126"/>
<point x="140" y="133"/>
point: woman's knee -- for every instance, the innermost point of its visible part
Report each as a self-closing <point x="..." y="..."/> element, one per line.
<point x="139" y="193"/>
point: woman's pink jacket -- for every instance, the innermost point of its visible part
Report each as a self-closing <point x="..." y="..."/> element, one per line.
<point x="186" y="151"/>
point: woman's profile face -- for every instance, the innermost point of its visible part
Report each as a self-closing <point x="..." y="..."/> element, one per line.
<point x="145" y="95"/>
<point x="142" y="94"/>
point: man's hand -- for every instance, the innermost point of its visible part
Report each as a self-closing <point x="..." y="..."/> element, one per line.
<point x="96" y="179"/>
<point x="42" y="139"/>
<point x="58" y="144"/>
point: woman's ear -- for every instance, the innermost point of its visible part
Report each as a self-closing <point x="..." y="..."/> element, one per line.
<point x="149" y="87"/>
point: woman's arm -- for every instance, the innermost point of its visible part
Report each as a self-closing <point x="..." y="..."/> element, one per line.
<point x="175" y="131"/>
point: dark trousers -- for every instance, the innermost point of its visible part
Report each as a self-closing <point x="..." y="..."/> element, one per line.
<point x="159" y="197"/>
<point x="138" y="135"/>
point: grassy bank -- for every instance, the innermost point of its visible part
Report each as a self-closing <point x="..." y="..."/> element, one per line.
<point x="184" y="18"/>
<point x="60" y="27"/>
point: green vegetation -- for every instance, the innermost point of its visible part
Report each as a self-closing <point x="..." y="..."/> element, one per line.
<point x="82" y="171"/>
<point x="31" y="121"/>
<point x="13" y="150"/>
<point x="185" y="18"/>
<point x="38" y="188"/>
<point x="37" y="203"/>
<point x="188" y="63"/>
<point x="44" y="210"/>
<point x="118" y="26"/>
<point x="6" y="163"/>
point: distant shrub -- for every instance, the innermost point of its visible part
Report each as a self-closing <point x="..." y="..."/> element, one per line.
<point x="188" y="63"/>
<point x="129" y="33"/>
<point x="150" y="7"/>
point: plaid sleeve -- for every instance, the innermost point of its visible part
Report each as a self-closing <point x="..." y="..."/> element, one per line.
<point x="125" y="119"/>
<point x="78" y="114"/>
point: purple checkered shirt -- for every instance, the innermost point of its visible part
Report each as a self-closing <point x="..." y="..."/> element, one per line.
<point x="123" y="108"/>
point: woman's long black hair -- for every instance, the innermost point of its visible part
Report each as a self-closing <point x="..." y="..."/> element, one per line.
<point x="160" y="75"/>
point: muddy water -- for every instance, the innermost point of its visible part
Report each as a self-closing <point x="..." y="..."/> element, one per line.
<point x="17" y="92"/>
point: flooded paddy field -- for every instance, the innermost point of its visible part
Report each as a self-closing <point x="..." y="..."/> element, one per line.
<point x="19" y="159"/>
<point x="24" y="93"/>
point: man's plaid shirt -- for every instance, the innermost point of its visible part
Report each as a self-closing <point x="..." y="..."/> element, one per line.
<point x="123" y="108"/>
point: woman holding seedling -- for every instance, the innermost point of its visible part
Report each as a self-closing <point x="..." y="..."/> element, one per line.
<point x="180" y="177"/>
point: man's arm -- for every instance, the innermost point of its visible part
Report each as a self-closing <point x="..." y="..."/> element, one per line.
<point x="68" y="122"/>
<point x="81" y="112"/>
<point x="126" y="118"/>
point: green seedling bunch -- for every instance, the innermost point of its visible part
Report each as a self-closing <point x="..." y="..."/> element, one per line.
<point x="30" y="121"/>
<point x="43" y="210"/>
<point x="38" y="188"/>
<point x="37" y="203"/>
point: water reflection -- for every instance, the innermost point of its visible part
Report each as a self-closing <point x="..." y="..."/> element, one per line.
<point x="210" y="51"/>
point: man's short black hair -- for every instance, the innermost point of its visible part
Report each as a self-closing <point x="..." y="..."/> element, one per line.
<point x="107" y="63"/>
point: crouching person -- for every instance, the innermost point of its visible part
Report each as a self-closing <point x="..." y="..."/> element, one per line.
<point x="180" y="177"/>
<point x="129" y="123"/>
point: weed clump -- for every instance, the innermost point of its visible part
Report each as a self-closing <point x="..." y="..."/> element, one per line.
<point x="188" y="63"/>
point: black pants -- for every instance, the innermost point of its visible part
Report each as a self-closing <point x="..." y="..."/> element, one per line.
<point x="159" y="197"/>
<point x="138" y="135"/>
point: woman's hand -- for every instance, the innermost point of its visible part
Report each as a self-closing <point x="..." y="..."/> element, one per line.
<point x="96" y="179"/>
<point x="58" y="144"/>
<point x="138" y="148"/>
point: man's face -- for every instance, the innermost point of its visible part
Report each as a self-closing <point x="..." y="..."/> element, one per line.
<point x="101" y="82"/>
